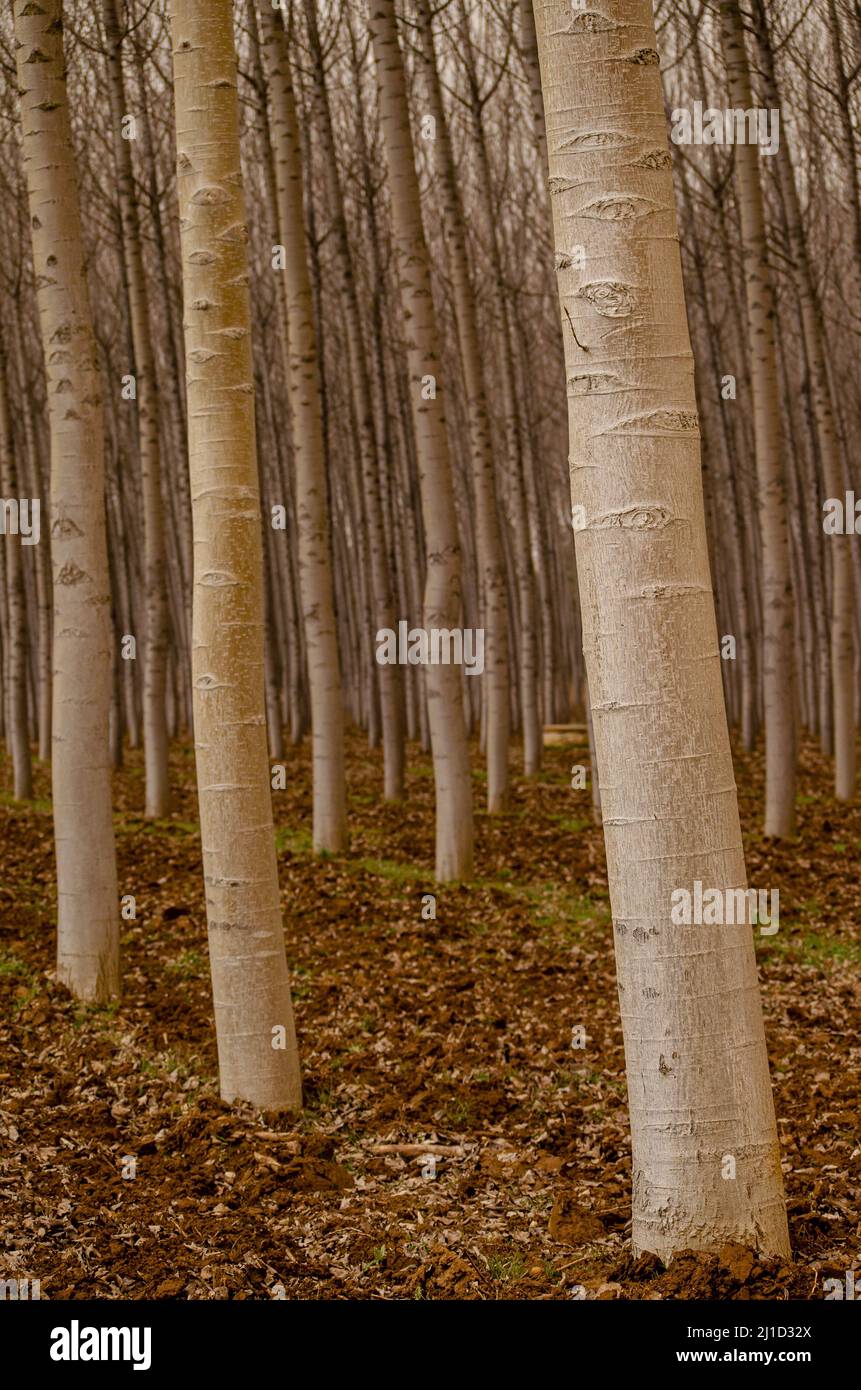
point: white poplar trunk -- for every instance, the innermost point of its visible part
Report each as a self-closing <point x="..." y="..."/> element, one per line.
<point x="698" y="1084"/>
<point x="87" y="901"/>
<point x="257" y="1053"/>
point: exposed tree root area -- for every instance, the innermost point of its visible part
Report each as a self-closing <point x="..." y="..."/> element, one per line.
<point x="451" y="1037"/>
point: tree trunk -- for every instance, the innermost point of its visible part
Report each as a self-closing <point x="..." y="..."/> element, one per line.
<point x="842" y="626"/>
<point x="491" y="560"/>
<point x="315" y="550"/>
<point x="88" y="907"/>
<point x="442" y="606"/>
<point x="257" y="1053"/>
<point x="146" y="395"/>
<point x="15" y="693"/>
<point x="778" y="645"/>
<point x="698" y="1082"/>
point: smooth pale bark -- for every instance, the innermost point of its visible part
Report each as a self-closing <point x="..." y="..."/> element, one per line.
<point x="740" y="562"/>
<point x="778" y="643"/>
<point x="515" y="492"/>
<point x="87" y="902"/>
<point x="315" y="550"/>
<point x="442" y="606"/>
<point x="15" y="693"/>
<point x="251" y="992"/>
<point x="698" y="1083"/>
<point x="842" y="627"/>
<point x="390" y="677"/>
<point x="491" y="561"/>
<point x="157" y="792"/>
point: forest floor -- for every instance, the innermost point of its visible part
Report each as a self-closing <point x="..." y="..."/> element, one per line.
<point x="454" y="1032"/>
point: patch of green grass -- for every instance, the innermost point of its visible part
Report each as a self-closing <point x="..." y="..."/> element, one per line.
<point x="170" y="1066"/>
<point x="391" y="869"/>
<point x="13" y="965"/>
<point x="460" y="1113"/>
<point x="811" y="907"/>
<point x="189" y="965"/>
<point x="811" y="947"/>
<point x="102" y="1014"/>
<point x="139" y="826"/>
<point x="38" y="804"/>
<point x="507" y="1269"/>
<point x="296" y="841"/>
<point x="378" y="1257"/>
<point x="577" y="826"/>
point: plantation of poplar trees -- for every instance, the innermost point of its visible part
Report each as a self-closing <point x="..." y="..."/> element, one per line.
<point x="430" y="617"/>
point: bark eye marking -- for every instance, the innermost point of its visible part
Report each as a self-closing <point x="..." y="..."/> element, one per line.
<point x="590" y="22"/>
<point x="594" y="140"/>
<point x="654" y="159"/>
<point x="209" y="196"/>
<point x="659" y="591"/>
<point x="238" y="232"/>
<point x="592" y="383"/>
<point x="633" y="519"/>
<point x="608" y="297"/>
<point x="557" y="185"/>
<point x="662" y="422"/>
<point x="64" y="527"/>
<point x="619" y="207"/>
<point x="37" y="56"/>
<point x="218" y="579"/>
<point x="70" y="574"/>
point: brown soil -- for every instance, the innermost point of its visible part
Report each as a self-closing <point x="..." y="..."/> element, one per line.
<point x="454" y="1033"/>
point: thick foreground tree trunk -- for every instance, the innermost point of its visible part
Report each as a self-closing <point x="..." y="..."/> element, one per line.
<point x="706" y="1159"/>
<point x="257" y="1054"/>
<point x="87" y="903"/>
